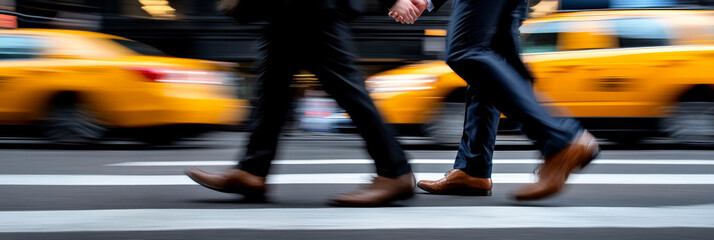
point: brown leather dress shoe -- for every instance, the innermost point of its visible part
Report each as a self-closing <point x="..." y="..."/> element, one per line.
<point x="232" y="181"/>
<point x="457" y="182"/>
<point x="382" y="191"/>
<point x="556" y="169"/>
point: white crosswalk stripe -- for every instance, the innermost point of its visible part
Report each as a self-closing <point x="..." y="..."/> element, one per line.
<point x="409" y="217"/>
<point x="701" y="216"/>
<point x="414" y="161"/>
<point x="340" y="178"/>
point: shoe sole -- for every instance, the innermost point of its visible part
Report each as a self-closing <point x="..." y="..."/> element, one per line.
<point x="551" y="192"/>
<point x="468" y="192"/>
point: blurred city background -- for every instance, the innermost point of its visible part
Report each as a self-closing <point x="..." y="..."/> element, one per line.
<point x="103" y="103"/>
<point x="627" y="69"/>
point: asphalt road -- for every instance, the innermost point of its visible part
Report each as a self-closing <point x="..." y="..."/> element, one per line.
<point x="123" y="190"/>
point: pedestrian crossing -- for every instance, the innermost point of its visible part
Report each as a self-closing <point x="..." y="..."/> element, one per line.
<point x="339" y="178"/>
<point x="413" y="161"/>
<point x="700" y="216"/>
<point x="408" y="216"/>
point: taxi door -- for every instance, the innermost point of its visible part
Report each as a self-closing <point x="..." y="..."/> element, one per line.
<point x="17" y="54"/>
<point x="590" y="75"/>
<point x="615" y="82"/>
<point x="561" y="55"/>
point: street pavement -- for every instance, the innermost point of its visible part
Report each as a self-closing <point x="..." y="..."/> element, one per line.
<point x="124" y="190"/>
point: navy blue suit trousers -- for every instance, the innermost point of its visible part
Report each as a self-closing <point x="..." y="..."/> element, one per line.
<point x="483" y="49"/>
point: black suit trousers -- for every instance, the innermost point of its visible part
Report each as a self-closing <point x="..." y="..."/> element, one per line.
<point x="321" y="43"/>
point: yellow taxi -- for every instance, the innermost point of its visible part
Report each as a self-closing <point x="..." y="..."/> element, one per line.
<point x="639" y="72"/>
<point x="77" y="86"/>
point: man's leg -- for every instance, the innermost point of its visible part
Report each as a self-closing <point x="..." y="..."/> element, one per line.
<point x="343" y="81"/>
<point x="472" y="169"/>
<point x="274" y="99"/>
<point x="506" y="40"/>
<point x="473" y="165"/>
<point x="475" y="153"/>
<point x="470" y="55"/>
<point x="275" y="73"/>
<point x="562" y="141"/>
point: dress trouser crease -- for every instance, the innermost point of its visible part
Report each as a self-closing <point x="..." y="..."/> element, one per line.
<point x="324" y="47"/>
<point x="483" y="49"/>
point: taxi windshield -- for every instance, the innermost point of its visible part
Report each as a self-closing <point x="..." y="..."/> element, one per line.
<point x="140" y="48"/>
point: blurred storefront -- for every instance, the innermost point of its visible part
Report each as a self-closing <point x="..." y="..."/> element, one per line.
<point x="67" y="14"/>
<point x="192" y="28"/>
<point x="7" y="20"/>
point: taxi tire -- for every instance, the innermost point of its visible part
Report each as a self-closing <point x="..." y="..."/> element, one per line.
<point x="158" y="139"/>
<point x="626" y="139"/>
<point x="447" y="126"/>
<point x="69" y="121"/>
<point x="165" y="135"/>
<point x="691" y="123"/>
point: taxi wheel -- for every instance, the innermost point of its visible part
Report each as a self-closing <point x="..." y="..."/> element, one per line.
<point x="68" y="121"/>
<point x="691" y="123"/>
<point x="626" y="139"/>
<point x="448" y="124"/>
<point x="162" y="135"/>
<point x="157" y="140"/>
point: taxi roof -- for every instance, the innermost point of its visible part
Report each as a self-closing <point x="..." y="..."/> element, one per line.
<point x="605" y="14"/>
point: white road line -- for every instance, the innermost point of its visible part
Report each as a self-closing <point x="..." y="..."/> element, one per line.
<point x="463" y="217"/>
<point x="414" y="161"/>
<point x="341" y="178"/>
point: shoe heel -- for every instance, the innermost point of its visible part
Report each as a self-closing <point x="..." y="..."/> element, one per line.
<point x="595" y="155"/>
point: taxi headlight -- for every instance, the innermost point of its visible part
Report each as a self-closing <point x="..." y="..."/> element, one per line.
<point x="401" y="83"/>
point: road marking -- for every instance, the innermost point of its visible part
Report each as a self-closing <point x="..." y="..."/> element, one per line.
<point x="413" y="161"/>
<point x="341" y="178"/>
<point x="461" y="217"/>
